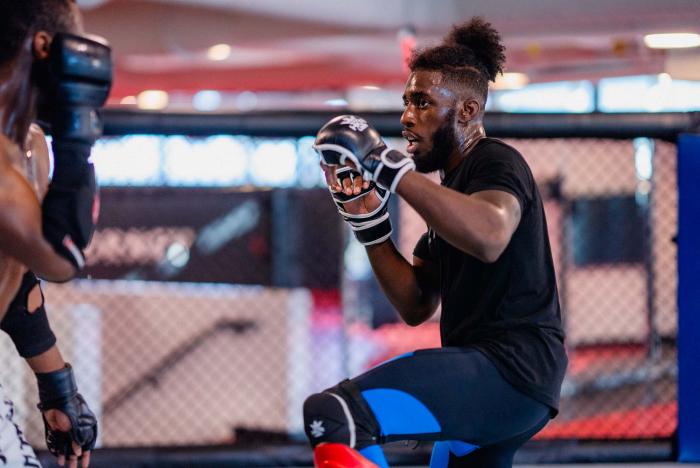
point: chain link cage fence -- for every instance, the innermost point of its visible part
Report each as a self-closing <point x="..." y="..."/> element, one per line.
<point x="223" y="288"/>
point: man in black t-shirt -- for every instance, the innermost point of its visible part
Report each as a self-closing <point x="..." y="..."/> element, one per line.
<point x="486" y="258"/>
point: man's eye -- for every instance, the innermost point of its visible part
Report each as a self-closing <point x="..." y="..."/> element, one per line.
<point x="423" y="103"/>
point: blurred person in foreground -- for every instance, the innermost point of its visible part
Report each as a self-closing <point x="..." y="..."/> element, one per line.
<point x="48" y="71"/>
<point x="485" y="258"/>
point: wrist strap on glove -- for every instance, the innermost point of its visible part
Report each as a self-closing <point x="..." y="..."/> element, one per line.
<point x="392" y="167"/>
<point x="369" y="228"/>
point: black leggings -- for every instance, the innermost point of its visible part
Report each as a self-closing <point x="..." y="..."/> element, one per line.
<point x="454" y="396"/>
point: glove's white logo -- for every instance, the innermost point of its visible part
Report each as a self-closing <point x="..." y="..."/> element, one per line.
<point x="355" y="123"/>
<point x="317" y="429"/>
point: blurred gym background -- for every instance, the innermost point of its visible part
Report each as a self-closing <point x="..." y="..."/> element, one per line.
<point x="223" y="288"/>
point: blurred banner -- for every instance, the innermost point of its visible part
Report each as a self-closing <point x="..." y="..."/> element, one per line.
<point x="216" y="236"/>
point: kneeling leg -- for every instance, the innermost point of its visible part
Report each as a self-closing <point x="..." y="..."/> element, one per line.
<point x="340" y="415"/>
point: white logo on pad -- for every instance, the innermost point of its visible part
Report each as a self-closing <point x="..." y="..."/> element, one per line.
<point x="317" y="429"/>
<point x="355" y="123"/>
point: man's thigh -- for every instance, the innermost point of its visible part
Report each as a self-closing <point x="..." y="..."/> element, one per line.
<point x="447" y="394"/>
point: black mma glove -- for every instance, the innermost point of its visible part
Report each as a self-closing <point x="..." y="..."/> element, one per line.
<point x="348" y="137"/>
<point x="78" y="76"/>
<point x="57" y="390"/>
<point x="369" y="228"/>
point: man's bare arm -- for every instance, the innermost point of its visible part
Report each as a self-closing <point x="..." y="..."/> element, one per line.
<point x="20" y="227"/>
<point x="480" y="224"/>
<point x="412" y="289"/>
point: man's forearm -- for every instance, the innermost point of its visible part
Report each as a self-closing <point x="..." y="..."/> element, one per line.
<point x="37" y="255"/>
<point x="48" y="361"/>
<point x="46" y="263"/>
<point x="399" y="282"/>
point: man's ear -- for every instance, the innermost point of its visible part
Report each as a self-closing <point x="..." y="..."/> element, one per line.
<point x="41" y="45"/>
<point x="469" y="109"/>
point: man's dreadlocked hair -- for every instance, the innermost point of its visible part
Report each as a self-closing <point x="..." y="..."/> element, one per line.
<point x="20" y="18"/>
<point x="471" y="55"/>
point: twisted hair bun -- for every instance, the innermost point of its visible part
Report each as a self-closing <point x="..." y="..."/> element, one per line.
<point x="478" y="44"/>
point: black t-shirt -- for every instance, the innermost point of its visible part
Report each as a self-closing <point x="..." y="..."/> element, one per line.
<point x="508" y="309"/>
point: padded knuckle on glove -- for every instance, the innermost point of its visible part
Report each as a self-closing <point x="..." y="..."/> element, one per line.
<point x="347" y="137"/>
<point x="350" y="137"/>
<point x="80" y="76"/>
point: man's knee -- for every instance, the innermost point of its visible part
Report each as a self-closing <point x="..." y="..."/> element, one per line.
<point x="340" y="415"/>
<point x="328" y="419"/>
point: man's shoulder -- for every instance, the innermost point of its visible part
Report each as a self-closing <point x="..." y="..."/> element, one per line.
<point x="493" y="147"/>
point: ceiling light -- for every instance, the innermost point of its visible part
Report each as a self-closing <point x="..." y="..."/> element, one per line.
<point x="664" y="79"/>
<point x="511" y="81"/>
<point x="152" y="99"/>
<point x="246" y="101"/>
<point x="339" y="102"/>
<point x="672" y="40"/>
<point x="371" y="87"/>
<point x="219" y="52"/>
<point x="206" y="100"/>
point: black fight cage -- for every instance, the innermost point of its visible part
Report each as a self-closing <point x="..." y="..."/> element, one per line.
<point x="210" y="310"/>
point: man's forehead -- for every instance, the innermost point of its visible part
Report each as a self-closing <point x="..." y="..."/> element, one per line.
<point x="427" y="82"/>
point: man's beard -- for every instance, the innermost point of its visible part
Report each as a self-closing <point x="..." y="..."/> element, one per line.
<point x="444" y="143"/>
